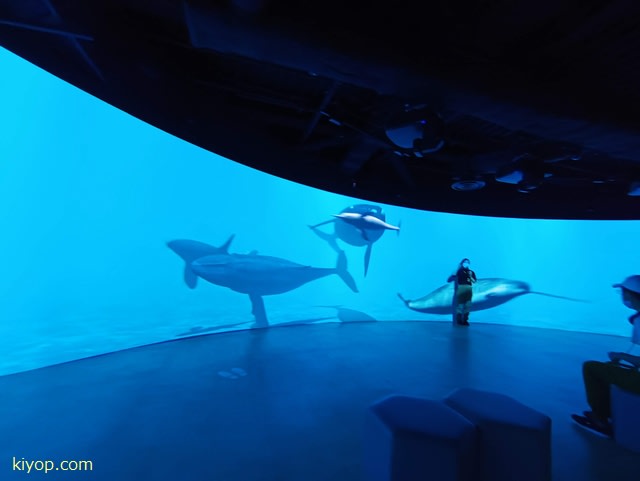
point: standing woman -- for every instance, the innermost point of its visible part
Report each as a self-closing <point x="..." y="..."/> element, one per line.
<point x="464" y="278"/>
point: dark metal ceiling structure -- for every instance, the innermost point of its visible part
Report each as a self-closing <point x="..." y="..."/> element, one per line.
<point x="513" y="108"/>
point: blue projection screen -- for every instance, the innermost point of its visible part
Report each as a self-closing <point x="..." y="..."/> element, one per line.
<point x="90" y="197"/>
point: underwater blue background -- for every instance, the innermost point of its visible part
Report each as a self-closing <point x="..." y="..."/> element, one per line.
<point x="89" y="196"/>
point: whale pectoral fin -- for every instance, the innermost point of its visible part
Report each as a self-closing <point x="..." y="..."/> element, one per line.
<point x="406" y="301"/>
<point x="258" y="311"/>
<point x="321" y="223"/>
<point x="364" y="234"/>
<point x="329" y="238"/>
<point x="190" y="277"/>
<point x="341" y="270"/>
<point x="367" y="258"/>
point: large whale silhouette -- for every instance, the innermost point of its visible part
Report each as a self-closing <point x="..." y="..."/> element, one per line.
<point x="357" y="225"/>
<point x="487" y="293"/>
<point x="252" y="274"/>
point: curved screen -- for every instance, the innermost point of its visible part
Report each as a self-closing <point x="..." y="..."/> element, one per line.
<point x="116" y="234"/>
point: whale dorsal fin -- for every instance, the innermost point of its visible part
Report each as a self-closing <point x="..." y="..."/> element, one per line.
<point x="253" y="253"/>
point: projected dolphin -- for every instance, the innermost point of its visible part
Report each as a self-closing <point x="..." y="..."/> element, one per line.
<point x="357" y="225"/>
<point x="252" y="274"/>
<point x="487" y="293"/>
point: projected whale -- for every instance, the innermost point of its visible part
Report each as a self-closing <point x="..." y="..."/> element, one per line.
<point x="487" y="293"/>
<point x="357" y="225"/>
<point x="252" y="274"/>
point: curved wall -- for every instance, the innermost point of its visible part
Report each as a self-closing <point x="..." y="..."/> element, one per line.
<point x="90" y="196"/>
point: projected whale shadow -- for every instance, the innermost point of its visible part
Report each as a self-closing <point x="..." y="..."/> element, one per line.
<point x="357" y="225"/>
<point x="487" y="293"/>
<point x="346" y="315"/>
<point x="252" y="274"/>
<point x="198" y="330"/>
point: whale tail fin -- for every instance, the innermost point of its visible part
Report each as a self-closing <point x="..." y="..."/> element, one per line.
<point x="189" y="251"/>
<point x="224" y="248"/>
<point x="573" y="299"/>
<point x="341" y="270"/>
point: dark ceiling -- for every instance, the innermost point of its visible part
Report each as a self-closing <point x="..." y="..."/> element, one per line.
<point x="495" y="107"/>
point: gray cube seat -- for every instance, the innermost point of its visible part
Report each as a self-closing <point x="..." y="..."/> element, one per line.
<point x="625" y="417"/>
<point x="515" y="440"/>
<point x="414" y="439"/>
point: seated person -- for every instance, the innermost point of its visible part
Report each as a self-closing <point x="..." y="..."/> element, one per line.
<point x="623" y="370"/>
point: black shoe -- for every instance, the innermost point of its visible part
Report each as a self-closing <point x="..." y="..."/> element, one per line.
<point x="591" y="417"/>
<point x="594" y="426"/>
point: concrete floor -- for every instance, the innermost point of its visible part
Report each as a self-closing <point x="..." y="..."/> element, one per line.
<point x="288" y="403"/>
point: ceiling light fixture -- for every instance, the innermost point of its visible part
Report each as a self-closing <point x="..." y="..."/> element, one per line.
<point x="467" y="185"/>
<point x="634" y="189"/>
<point x="418" y="130"/>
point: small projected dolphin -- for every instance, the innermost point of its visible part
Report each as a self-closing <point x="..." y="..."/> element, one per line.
<point x="365" y="223"/>
<point x="252" y="274"/>
<point x="357" y="225"/>
<point x="487" y="293"/>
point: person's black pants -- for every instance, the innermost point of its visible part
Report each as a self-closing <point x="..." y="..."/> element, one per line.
<point x="598" y="378"/>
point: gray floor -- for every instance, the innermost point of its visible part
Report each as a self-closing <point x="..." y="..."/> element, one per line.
<point x="179" y="410"/>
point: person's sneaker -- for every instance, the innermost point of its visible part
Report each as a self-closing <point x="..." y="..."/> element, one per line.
<point x="595" y="426"/>
<point x="592" y="417"/>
